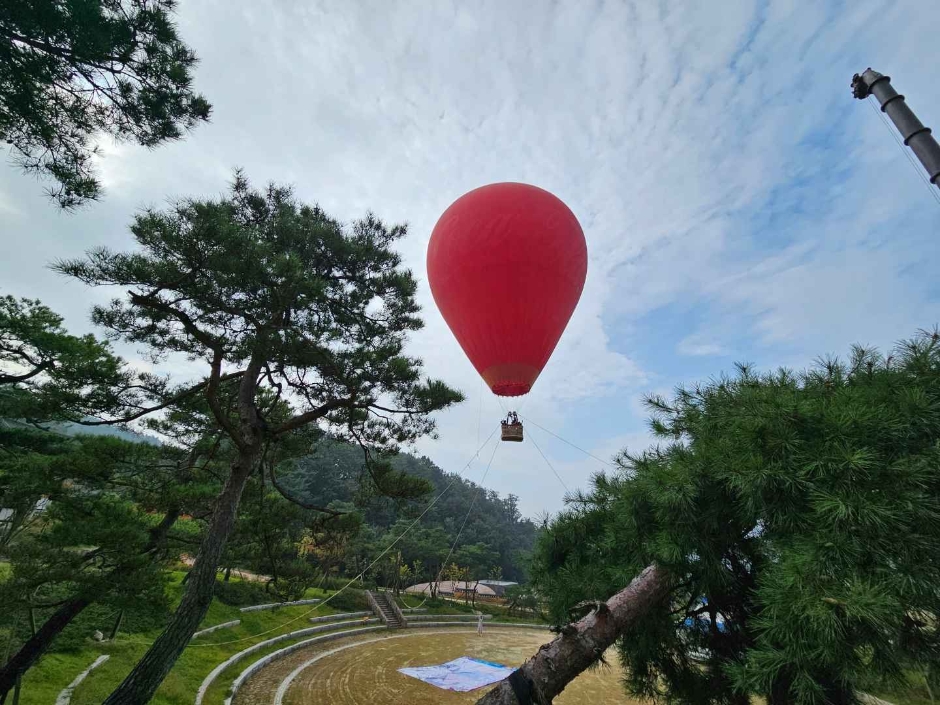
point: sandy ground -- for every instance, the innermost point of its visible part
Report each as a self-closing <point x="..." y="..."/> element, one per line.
<point x="368" y="675"/>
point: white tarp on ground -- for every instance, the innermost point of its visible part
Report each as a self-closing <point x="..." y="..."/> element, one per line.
<point x="461" y="674"/>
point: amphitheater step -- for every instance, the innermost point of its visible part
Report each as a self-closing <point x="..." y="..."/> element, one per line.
<point x="448" y="617"/>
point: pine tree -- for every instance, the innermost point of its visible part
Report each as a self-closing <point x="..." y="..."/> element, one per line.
<point x="47" y="378"/>
<point x="72" y="70"/>
<point x="281" y="303"/>
<point x="62" y="493"/>
<point x="92" y="541"/>
<point x="49" y="375"/>
<point x="799" y="518"/>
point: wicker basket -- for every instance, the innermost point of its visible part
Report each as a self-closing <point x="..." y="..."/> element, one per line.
<point x="512" y="432"/>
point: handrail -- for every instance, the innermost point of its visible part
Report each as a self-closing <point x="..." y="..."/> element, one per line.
<point x="397" y="610"/>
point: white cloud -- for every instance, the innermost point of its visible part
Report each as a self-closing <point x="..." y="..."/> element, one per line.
<point x="713" y="154"/>
<point x="7" y="206"/>
<point x="701" y="345"/>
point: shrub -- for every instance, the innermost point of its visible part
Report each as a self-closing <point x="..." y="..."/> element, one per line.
<point x="242" y="593"/>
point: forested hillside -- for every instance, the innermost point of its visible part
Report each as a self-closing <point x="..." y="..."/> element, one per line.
<point x="496" y="537"/>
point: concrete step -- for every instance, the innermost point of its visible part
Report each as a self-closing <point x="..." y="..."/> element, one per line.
<point x="448" y="617"/>
<point x="339" y="617"/>
<point x="387" y="611"/>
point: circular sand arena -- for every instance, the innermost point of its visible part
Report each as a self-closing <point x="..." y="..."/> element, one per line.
<point x="365" y="671"/>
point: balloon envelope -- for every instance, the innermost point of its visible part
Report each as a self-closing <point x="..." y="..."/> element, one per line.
<point x="506" y="265"/>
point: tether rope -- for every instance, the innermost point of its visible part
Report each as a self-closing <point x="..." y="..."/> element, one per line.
<point x="454" y="479"/>
<point x="551" y="467"/>
<point x="529" y="419"/>
<point x="467" y="516"/>
<point x="480" y="412"/>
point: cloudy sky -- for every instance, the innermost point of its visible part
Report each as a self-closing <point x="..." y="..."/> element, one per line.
<point x="738" y="204"/>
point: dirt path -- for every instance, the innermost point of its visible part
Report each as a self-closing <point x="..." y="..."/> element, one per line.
<point x="237" y="572"/>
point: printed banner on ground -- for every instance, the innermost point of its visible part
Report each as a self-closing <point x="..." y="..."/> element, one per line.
<point x="462" y="674"/>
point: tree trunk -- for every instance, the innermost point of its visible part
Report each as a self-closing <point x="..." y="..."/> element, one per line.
<point x="545" y="675"/>
<point x="30" y="652"/>
<point x="117" y="626"/>
<point x="141" y="683"/>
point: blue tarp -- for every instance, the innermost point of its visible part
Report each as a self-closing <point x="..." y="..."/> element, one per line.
<point x="702" y="621"/>
<point x="461" y="674"/>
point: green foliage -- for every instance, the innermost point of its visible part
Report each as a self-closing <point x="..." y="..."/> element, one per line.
<point x="496" y="535"/>
<point x="308" y="318"/>
<point x="350" y="600"/>
<point x="289" y="299"/>
<point x="46" y="374"/>
<point x="241" y="593"/>
<point x="141" y="624"/>
<point x="267" y="538"/>
<point x="48" y="377"/>
<point x="523" y="599"/>
<point x="86" y="516"/>
<point x="72" y="70"/>
<point x="802" y="510"/>
<point x="478" y="559"/>
<point x="143" y="615"/>
<point x="328" y="582"/>
<point x="88" y="536"/>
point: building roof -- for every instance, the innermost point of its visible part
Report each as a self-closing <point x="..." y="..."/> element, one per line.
<point x="447" y="587"/>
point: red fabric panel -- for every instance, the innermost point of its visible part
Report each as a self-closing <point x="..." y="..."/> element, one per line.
<point x="506" y="265"/>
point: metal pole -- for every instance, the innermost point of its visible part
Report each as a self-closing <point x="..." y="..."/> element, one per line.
<point x="912" y="130"/>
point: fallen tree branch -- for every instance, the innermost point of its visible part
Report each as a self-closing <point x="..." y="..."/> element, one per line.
<point x="580" y="644"/>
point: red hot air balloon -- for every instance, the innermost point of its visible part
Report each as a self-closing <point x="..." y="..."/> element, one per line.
<point x="506" y="264"/>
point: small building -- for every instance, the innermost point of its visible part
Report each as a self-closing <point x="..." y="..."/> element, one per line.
<point x="498" y="586"/>
<point x="456" y="589"/>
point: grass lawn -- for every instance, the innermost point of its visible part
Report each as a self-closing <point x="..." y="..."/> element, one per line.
<point x="906" y="698"/>
<point x="915" y="694"/>
<point x="55" y="671"/>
